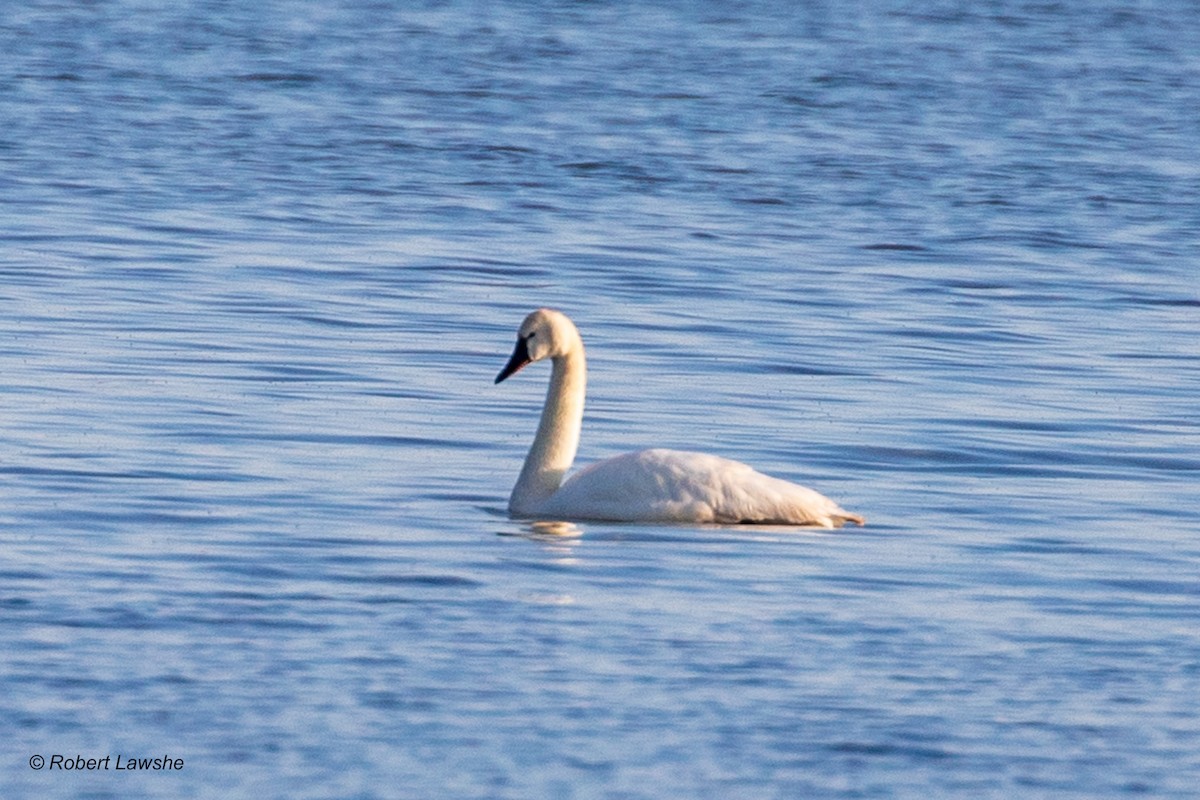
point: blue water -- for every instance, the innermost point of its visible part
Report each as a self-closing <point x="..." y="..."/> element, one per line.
<point x="259" y="264"/>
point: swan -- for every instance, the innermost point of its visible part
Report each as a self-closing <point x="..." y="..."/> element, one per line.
<point x="645" y="486"/>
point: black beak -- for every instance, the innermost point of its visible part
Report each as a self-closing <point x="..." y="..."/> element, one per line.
<point x="519" y="359"/>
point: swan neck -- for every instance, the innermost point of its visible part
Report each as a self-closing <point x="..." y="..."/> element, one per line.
<point x="553" y="449"/>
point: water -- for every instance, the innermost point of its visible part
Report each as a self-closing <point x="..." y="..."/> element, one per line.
<point x="260" y="263"/>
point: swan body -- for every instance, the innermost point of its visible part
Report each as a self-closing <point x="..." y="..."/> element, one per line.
<point x="644" y="486"/>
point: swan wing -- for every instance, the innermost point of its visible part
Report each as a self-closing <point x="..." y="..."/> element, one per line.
<point x="679" y="486"/>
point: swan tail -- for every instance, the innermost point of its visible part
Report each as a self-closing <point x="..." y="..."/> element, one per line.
<point x="842" y="517"/>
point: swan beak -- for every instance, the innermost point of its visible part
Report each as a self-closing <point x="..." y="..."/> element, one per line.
<point x="519" y="359"/>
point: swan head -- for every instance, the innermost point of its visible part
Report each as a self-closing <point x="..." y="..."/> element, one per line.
<point x="545" y="333"/>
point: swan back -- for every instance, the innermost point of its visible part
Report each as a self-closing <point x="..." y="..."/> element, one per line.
<point x="678" y="486"/>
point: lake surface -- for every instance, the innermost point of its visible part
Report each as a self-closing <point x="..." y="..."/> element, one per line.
<point x="259" y="264"/>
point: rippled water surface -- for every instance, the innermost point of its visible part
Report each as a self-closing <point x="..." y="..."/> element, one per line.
<point x="259" y="264"/>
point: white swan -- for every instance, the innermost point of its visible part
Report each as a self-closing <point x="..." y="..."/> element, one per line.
<point x="645" y="486"/>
